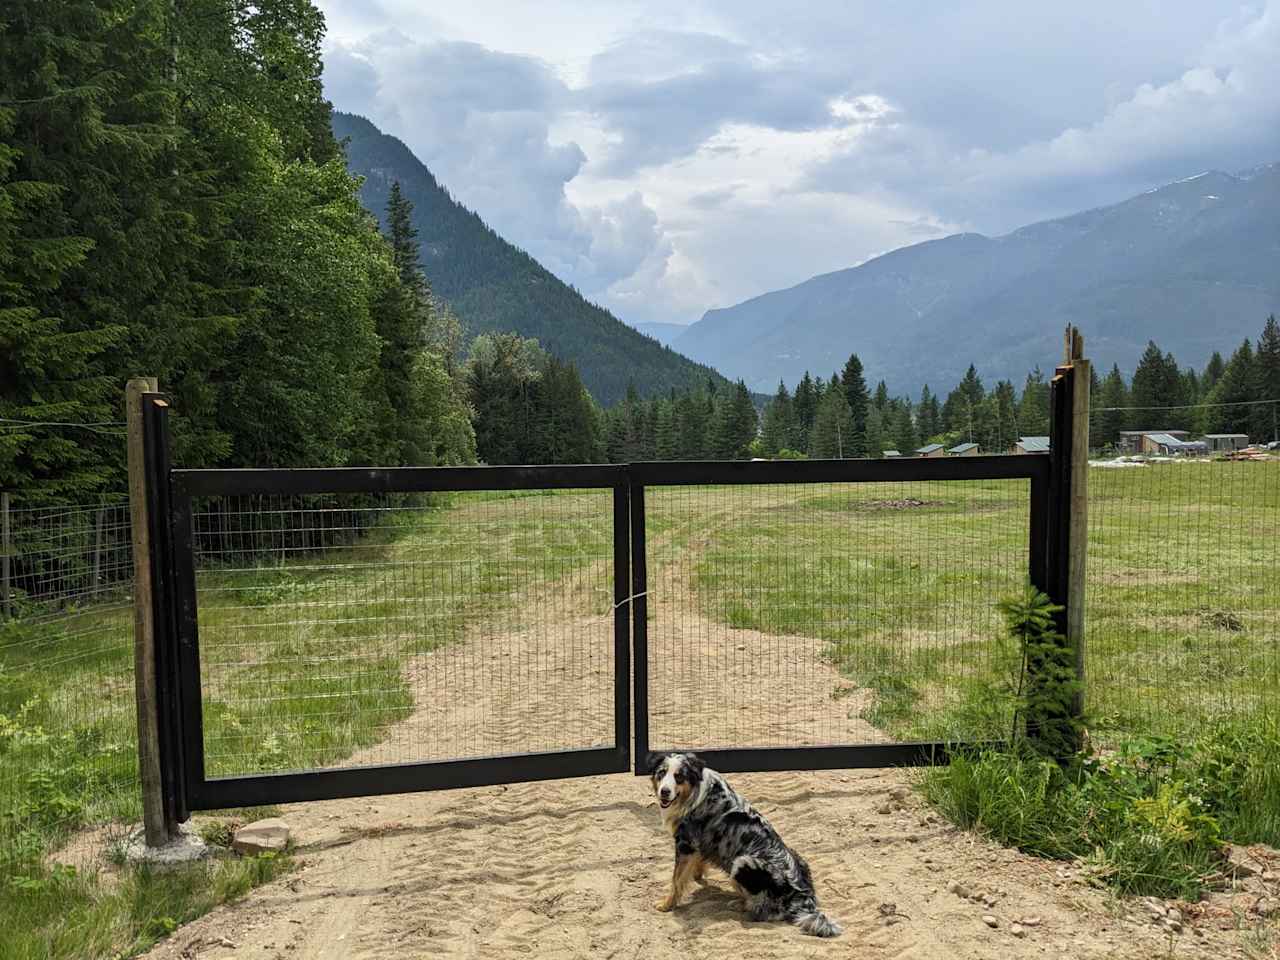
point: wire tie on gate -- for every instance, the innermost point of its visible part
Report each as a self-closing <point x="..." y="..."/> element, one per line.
<point x="626" y="600"/>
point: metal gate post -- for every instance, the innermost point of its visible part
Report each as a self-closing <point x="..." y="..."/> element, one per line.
<point x="155" y="424"/>
<point x="622" y="601"/>
<point x="640" y="629"/>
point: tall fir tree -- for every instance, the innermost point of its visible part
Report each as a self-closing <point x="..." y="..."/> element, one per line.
<point x="1159" y="391"/>
<point x="929" y="416"/>
<point x="903" y="429"/>
<point x="1110" y="418"/>
<point x="1228" y="407"/>
<point x="832" y="433"/>
<point x="856" y="395"/>
<point x="1266" y="419"/>
<point x="1033" y="406"/>
<point x="778" y="431"/>
<point x="806" y="407"/>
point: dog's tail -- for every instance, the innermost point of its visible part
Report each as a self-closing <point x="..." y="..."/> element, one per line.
<point x="816" y="923"/>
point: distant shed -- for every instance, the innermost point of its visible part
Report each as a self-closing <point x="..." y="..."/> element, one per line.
<point x="1167" y="445"/>
<point x="965" y="450"/>
<point x="1134" y="441"/>
<point x="931" y="450"/>
<point x="1031" y="445"/>
<point x="892" y="453"/>
<point x="1226" y="441"/>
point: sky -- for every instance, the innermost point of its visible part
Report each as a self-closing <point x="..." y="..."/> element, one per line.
<point x="667" y="158"/>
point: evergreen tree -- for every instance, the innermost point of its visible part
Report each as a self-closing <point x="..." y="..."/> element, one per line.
<point x="881" y="399"/>
<point x="1266" y="419"/>
<point x="832" y="428"/>
<point x="691" y="425"/>
<point x="666" y="437"/>
<point x="859" y="400"/>
<point x="1001" y="429"/>
<point x="806" y="406"/>
<point x="1212" y="372"/>
<point x="1233" y="391"/>
<point x="1033" y="407"/>
<point x="929" y="416"/>
<point x="779" y="429"/>
<point x="1157" y="387"/>
<point x="1107" y="424"/>
<point x="903" y="429"/>
<point x="877" y="441"/>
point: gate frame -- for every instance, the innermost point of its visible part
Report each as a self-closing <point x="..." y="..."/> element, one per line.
<point x="169" y="494"/>
<point x="181" y="673"/>
<point x="1036" y="468"/>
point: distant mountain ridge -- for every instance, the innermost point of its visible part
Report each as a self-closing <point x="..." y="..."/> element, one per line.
<point x="664" y="333"/>
<point x="1194" y="264"/>
<point x="493" y="286"/>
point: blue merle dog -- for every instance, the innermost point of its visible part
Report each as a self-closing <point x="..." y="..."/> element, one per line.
<point x="712" y="825"/>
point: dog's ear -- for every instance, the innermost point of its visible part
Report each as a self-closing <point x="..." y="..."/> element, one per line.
<point x="653" y="761"/>
<point x="694" y="766"/>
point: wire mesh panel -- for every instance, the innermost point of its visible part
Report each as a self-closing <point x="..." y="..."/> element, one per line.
<point x="790" y="614"/>
<point x="359" y="630"/>
<point x="1183" y="601"/>
<point x="68" y="760"/>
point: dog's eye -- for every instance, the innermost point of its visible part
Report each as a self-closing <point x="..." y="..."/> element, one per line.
<point x="679" y="778"/>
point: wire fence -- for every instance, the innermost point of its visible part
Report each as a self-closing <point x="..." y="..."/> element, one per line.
<point x="818" y="614"/>
<point x="67" y="715"/>
<point x="1183" y="601"/>
<point x="373" y="630"/>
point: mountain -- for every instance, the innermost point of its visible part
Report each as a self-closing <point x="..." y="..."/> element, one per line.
<point x="494" y="286"/>
<point x="1194" y="265"/>
<point x="664" y="333"/>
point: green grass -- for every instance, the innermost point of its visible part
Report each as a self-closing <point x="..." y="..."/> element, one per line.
<point x="1183" y="602"/>
<point x="305" y="662"/>
<point x="62" y="914"/>
<point x="304" y="665"/>
<point x="1147" y="817"/>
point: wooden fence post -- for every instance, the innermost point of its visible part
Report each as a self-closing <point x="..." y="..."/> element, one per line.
<point x="1070" y="453"/>
<point x="1077" y="572"/>
<point x="155" y="826"/>
<point x="6" y="553"/>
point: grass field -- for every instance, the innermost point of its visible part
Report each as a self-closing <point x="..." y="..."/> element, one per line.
<point x="305" y="659"/>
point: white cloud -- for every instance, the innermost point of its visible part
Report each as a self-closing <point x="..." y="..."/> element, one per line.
<point x="665" y="170"/>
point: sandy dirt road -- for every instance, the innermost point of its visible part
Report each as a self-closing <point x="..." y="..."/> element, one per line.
<point x="574" y="868"/>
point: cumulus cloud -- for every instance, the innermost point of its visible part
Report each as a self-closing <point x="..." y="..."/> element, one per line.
<point x="665" y="171"/>
<point x="1222" y="113"/>
<point x="481" y="120"/>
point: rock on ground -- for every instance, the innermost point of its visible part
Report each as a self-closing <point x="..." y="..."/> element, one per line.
<point x="261" y="836"/>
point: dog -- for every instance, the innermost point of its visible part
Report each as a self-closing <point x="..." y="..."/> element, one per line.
<point x="713" y="825"/>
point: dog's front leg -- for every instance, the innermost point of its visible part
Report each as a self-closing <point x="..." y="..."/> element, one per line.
<point x="688" y="865"/>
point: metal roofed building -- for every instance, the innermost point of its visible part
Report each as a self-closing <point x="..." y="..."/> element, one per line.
<point x="892" y="453"/>
<point x="1031" y="445"/>
<point x="1170" y="446"/>
<point x="1133" y="441"/>
<point x="964" y="450"/>
<point x="1226" y="441"/>
<point x="931" y="450"/>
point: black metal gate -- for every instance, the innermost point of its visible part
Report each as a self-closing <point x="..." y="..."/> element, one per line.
<point x="725" y="474"/>
<point x="187" y="782"/>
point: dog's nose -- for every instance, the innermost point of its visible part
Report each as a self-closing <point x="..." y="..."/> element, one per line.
<point x="664" y="793"/>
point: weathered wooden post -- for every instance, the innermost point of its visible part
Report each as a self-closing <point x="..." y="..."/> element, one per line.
<point x="1069" y="515"/>
<point x="155" y="827"/>
<point x="1078" y="518"/>
<point x="6" y="554"/>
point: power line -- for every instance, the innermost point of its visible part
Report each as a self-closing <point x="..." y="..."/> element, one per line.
<point x="1190" y="406"/>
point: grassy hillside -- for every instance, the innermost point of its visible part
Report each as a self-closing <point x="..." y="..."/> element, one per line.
<point x="494" y="286"/>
